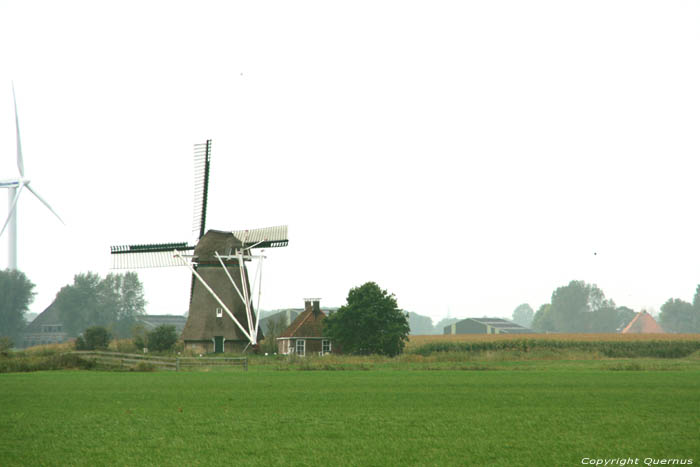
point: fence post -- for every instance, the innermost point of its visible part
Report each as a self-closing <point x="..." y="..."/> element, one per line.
<point x="177" y="364"/>
<point x="245" y="363"/>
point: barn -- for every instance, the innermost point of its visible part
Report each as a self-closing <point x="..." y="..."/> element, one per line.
<point x="486" y="326"/>
<point x="305" y="335"/>
<point x="642" y="323"/>
<point x="46" y="328"/>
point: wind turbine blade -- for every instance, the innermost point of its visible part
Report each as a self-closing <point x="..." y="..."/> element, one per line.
<point x="20" y="161"/>
<point x="44" y="201"/>
<point x="12" y="209"/>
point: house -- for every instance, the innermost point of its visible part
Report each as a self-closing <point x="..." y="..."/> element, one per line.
<point x="642" y="323"/>
<point x="486" y="326"/>
<point x="305" y="335"/>
<point x="45" y="329"/>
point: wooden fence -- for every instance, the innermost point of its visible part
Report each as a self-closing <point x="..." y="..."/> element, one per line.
<point x="128" y="360"/>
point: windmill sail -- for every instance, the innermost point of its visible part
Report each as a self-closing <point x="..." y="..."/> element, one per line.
<point x="154" y="255"/>
<point x="220" y="279"/>
<point x="202" y="159"/>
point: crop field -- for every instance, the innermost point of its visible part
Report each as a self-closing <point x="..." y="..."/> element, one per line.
<point x="379" y="417"/>
<point x="417" y="341"/>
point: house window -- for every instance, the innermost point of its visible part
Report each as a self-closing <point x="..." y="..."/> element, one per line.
<point x="326" y="346"/>
<point x="301" y="347"/>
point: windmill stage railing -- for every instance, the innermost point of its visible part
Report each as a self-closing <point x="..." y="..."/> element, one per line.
<point x="128" y="360"/>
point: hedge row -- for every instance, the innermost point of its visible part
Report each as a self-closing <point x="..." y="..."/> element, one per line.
<point x="24" y="362"/>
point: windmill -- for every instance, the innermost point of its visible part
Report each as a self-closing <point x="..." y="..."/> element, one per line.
<point x="15" y="187"/>
<point x="220" y="281"/>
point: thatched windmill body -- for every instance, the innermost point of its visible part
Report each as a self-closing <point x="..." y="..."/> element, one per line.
<point x="222" y="316"/>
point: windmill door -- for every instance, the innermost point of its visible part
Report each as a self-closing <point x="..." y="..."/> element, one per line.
<point x="218" y="344"/>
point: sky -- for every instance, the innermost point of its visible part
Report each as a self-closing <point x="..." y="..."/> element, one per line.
<point x="468" y="156"/>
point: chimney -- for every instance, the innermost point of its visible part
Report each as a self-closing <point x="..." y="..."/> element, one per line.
<point x="317" y="307"/>
<point x="307" y="304"/>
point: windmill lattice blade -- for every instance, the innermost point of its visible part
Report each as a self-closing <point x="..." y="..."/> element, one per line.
<point x="45" y="203"/>
<point x="268" y="237"/>
<point x="202" y="159"/>
<point x="20" y="161"/>
<point x="157" y="255"/>
<point x="12" y="209"/>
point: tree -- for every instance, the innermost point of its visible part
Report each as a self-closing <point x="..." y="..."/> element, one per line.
<point x="5" y="345"/>
<point x="576" y="306"/>
<point x="523" y="315"/>
<point x="677" y="316"/>
<point x="122" y="297"/>
<point x="115" y="302"/>
<point x="542" y="321"/>
<point x="94" y="338"/>
<point x="420" y="324"/>
<point x="370" y="323"/>
<point x="274" y="327"/>
<point x="16" y="294"/>
<point x="624" y="316"/>
<point x="162" y="338"/>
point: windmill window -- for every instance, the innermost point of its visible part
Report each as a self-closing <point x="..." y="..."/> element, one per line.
<point x="326" y="346"/>
<point x="219" y="312"/>
<point x="301" y="347"/>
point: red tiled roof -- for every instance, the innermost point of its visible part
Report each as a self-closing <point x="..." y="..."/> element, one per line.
<point x="642" y="323"/>
<point x="306" y="324"/>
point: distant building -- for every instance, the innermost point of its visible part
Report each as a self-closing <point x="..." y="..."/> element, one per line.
<point x="151" y="322"/>
<point x="281" y="318"/>
<point x="45" y="329"/>
<point x="305" y="335"/>
<point x="642" y="323"/>
<point x="486" y="326"/>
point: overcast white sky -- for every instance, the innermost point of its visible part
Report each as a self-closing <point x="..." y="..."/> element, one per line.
<point x="466" y="156"/>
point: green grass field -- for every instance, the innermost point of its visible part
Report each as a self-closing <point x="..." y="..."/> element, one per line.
<point x="381" y="417"/>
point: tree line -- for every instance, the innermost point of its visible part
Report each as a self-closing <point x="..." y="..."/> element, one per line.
<point x="580" y="307"/>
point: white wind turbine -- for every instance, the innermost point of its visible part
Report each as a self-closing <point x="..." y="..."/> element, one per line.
<point x="15" y="187"/>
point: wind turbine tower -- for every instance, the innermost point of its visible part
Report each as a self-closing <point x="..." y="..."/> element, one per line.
<point x="15" y="187"/>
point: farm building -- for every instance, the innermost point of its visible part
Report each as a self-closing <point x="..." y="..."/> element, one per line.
<point x="642" y="323"/>
<point x="305" y="335"/>
<point x="150" y="322"/>
<point x="46" y="328"/>
<point x="486" y="326"/>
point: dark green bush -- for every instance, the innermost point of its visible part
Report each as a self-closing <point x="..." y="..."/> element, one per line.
<point x="162" y="338"/>
<point x="23" y="362"/>
<point x="144" y="366"/>
<point x="94" y="338"/>
<point x="5" y="345"/>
